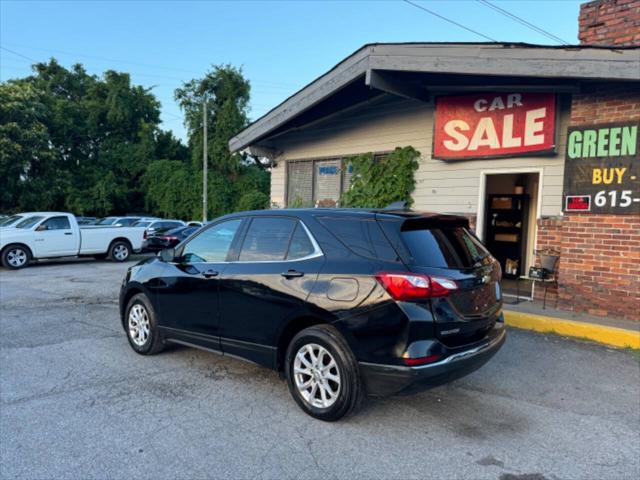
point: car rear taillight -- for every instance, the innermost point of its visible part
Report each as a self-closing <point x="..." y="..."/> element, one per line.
<point x="170" y="239"/>
<point x="412" y="362"/>
<point x="412" y="286"/>
<point x="145" y="235"/>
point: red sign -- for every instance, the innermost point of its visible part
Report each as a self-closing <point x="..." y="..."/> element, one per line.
<point x="494" y="125"/>
<point x="578" y="202"/>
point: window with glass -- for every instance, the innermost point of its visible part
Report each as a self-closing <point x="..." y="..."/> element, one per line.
<point x="125" y="222"/>
<point x="56" y="223"/>
<point x="319" y="183"/>
<point x="300" y="245"/>
<point x="213" y="244"/>
<point x="29" y="222"/>
<point x="267" y="239"/>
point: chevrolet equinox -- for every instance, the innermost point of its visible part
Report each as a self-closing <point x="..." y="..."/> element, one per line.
<point x="344" y="302"/>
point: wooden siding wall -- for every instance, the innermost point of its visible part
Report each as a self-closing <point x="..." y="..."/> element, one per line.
<point x="278" y="185"/>
<point x="389" y="122"/>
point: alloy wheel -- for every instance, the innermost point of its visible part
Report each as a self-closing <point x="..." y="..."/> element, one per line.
<point x="16" y="257"/>
<point x="316" y="375"/>
<point x="139" y="326"/>
<point x="120" y="252"/>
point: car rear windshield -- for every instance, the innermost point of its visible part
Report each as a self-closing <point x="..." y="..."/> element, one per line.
<point x="446" y="247"/>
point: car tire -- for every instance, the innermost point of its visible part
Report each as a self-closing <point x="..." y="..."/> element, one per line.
<point x="119" y="251"/>
<point x="15" y="257"/>
<point x="320" y="356"/>
<point x="141" y="326"/>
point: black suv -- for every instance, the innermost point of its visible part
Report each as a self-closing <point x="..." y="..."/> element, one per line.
<point x="343" y="302"/>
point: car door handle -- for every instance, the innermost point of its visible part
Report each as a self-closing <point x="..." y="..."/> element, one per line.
<point x="210" y="274"/>
<point x="68" y="233"/>
<point x="292" y="274"/>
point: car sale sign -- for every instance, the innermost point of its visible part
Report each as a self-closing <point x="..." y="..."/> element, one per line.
<point x="494" y="125"/>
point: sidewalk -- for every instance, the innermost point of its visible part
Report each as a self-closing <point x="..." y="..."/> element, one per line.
<point x="609" y="331"/>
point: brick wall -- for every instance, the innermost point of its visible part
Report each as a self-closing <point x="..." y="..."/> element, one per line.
<point x="610" y="22"/>
<point x="549" y="238"/>
<point x="599" y="270"/>
<point x="600" y="265"/>
<point x="606" y="103"/>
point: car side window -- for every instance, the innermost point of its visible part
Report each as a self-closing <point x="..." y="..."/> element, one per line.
<point x="267" y="239"/>
<point x="125" y="222"/>
<point x="300" y="245"/>
<point x="362" y="236"/>
<point x="57" y="223"/>
<point x="213" y="244"/>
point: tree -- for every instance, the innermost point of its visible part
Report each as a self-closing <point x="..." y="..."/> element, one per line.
<point x="226" y="92"/>
<point x="27" y="161"/>
<point x="95" y="138"/>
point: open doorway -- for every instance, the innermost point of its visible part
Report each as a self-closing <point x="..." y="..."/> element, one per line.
<point x="508" y="226"/>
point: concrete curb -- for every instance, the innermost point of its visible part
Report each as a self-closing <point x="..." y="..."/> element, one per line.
<point x="616" y="337"/>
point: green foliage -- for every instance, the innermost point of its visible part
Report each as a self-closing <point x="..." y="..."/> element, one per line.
<point x="92" y="145"/>
<point x="170" y="190"/>
<point x="253" y="201"/>
<point x="377" y="183"/>
<point x="27" y="162"/>
<point x="227" y="94"/>
<point x="74" y="141"/>
<point x="231" y="176"/>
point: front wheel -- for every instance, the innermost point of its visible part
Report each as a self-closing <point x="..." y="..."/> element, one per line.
<point x="322" y="373"/>
<point x="120" y="251"/>
<point x="15" y="257"/>
<point x="141" y="326"/>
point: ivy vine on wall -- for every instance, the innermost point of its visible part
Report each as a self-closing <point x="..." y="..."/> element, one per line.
<point x="377" y="183"/>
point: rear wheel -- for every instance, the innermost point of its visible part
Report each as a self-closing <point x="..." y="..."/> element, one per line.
<point x="141" y="326"/>
<point x="15" y="257"/>
<point x="120" y="251"/>
<point x="322" y="373"/>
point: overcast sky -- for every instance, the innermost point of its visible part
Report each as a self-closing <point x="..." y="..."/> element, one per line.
<point x="281" y="45"/>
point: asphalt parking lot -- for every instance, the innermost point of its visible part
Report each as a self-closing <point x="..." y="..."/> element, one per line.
<point x="77" y="402"/>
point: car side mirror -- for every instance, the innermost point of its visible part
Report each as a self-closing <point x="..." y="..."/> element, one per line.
<point x="42" y="228"/>
<point x="168" y="255"/>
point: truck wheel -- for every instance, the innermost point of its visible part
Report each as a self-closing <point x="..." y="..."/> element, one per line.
<point x="15" y="257"/>
<point x="322" y="373"/>
<point x="119" y="251"/>
<point x="142" y="327"/>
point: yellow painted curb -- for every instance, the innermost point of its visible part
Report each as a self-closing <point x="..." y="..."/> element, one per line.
<point x="617" y="337"/>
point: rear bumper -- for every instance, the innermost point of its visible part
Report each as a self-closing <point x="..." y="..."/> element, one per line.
<point x="382" y="380"/>
<point x="151" y="248"/>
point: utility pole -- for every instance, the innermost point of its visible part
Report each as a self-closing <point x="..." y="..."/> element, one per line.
<point x="205" y="166"/>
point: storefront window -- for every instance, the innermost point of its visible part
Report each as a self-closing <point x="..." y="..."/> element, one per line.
<point x="319" y="183"/>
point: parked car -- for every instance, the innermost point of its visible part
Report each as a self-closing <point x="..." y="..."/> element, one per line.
<point x="12" y="220"/>
<point x="154" y="226"/>
<point x="86" y="220"/>
<point x="167" y="239"/>
<point x="344" y="302"/>
<point x="121" y="221"/>
<point x="56" y="234"/>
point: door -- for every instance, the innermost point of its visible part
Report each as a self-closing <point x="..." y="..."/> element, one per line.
<point x="55" y="238"/>
<point x="187" y="290"/>
<point x="458" y="261"/>
<point x="277" y="265"/>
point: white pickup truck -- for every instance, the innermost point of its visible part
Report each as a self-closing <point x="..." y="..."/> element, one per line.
<point x="55" y="234"/>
